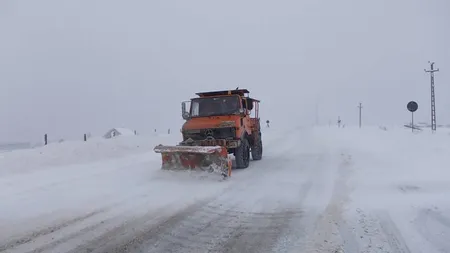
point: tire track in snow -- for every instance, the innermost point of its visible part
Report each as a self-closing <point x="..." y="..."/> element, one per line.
<point x="374" y="232"/>
<point x="133" y="232"/>
<point x="258" y="234"/>
<point x="392" y="234"/>
<point x="130" y="234"/>
<point x="104" y="218"/>
<point x="218" y="229"/>
<point x="206" y="227"/>
<point x="333" y="232"/>
<point x="77" y="232"/>
<point x="326" y="230"/>
<point x="435" y="228"/>
<point x="52" y="237"/>
<point x="48" y="230"/>
<point x="194" y="232"/>
<point x="68" y="223"/>
<point x="262" y="231"/>
<point x="55" y="243"/>
<point x="139" y="232"/>
<point x="378" y="233"/>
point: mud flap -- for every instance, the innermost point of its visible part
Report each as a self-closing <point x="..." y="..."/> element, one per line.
<point x="212" y="159"/>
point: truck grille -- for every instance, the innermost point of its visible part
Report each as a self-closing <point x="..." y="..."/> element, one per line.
<point x="216" y="133"/>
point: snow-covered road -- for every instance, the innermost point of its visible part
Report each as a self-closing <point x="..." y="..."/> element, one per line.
<point x="316" y="190"/>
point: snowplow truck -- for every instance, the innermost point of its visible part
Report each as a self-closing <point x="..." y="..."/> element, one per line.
<point x="218" y="124"/>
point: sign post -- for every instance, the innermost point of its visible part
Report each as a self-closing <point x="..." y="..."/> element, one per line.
<point x="412" y="106"/>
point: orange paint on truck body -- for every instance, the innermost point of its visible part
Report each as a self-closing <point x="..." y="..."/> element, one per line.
<point x="214" y="122"/>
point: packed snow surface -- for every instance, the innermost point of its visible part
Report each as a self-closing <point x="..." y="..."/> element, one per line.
<point x="322" y="189"/>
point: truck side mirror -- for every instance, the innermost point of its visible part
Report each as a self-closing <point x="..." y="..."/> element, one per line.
<point x="184" y="113"/>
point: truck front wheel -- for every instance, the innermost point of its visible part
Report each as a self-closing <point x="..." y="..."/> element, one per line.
<point x="242" y="155"/>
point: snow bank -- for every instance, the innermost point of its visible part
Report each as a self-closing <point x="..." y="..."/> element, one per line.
<point x="94" y="150"/>
<point x="394" y="166"/>
<point x="399" y="183"/>
<point x="79" y="152"/>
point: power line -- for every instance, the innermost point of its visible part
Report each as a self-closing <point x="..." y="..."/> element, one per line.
<point x="433" y="97"/>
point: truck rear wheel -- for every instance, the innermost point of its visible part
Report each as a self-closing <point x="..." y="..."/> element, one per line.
<point x="242" y="155"/>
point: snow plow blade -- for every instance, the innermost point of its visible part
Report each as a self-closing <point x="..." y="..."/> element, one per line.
<point x="213" y="159"/>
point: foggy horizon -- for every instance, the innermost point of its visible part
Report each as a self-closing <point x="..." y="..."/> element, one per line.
<point x="74" y="67"/>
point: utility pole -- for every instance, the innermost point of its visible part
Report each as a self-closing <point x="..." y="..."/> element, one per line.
<point x="360" y="110"/>
<point x="433" y="97"/>
<point x="317" y="114"/>
<point x="317" y="109"/>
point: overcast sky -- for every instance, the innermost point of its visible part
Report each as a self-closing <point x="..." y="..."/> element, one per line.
<point x="70" y="67"/>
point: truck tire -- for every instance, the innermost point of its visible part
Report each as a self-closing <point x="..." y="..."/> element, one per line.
<point x="242" y="155"/>
<point x="257" y="150"/>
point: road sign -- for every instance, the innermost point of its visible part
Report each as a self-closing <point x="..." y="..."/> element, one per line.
<point x="412" y="106"/>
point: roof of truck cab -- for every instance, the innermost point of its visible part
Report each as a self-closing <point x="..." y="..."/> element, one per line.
<point x="223" y="92"/>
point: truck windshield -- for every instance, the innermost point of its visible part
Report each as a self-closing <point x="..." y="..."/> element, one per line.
<point x="214" y="106"/>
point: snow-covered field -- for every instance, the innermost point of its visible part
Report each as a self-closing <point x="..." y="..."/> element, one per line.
<point x="316" y="190"/>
